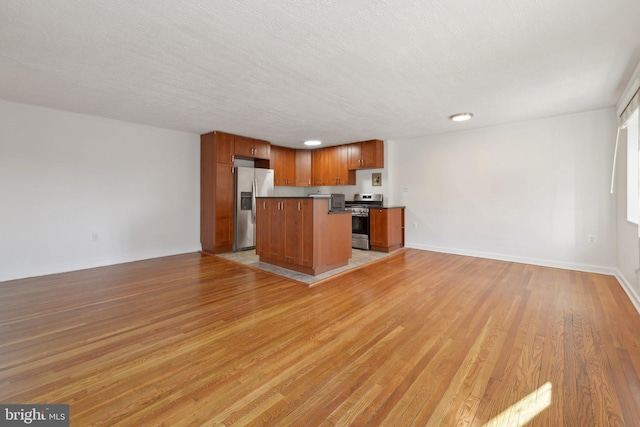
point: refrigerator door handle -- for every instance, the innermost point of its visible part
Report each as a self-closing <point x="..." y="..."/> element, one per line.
<point x="253" y="200"/>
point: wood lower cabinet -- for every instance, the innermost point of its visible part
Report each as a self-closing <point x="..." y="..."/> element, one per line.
<point x="300" y="234"/>
<point x="387" y="229"/>
<point x="216" y="191"/>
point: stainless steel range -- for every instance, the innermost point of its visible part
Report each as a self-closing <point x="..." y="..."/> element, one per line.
<point x="360" y="224"/>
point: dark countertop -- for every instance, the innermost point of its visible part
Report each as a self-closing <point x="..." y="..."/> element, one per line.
<point x="305" y="198"/>
<point x="384" y="206"/>
<point x="291" y="197"/>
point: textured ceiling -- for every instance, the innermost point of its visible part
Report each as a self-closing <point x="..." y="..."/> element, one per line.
<point x="339" y="71"/>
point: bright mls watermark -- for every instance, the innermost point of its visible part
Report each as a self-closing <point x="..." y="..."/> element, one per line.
<point x="34" y="415"/>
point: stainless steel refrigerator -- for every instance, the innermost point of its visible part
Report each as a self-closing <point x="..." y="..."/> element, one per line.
<point x="249" y="184"/>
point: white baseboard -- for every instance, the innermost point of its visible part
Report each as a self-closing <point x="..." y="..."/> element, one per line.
<point x="629" y="290"/>
<point x="45" y="269"/>
<point x="610" y="271"/>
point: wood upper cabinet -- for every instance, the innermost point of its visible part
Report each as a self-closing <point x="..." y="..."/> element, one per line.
<point x="366" y="154"/>
<point x="343" y="174"/>
<point x="355" y="155"/>
<point x="283" y="164"/>
<point x="252" y="148"/>
<point x="224" y="147"/>
<point x="216" y="192"/>
<point x="318" y="167"/>
<point x="303" y="168"/>
<point x="330" y="166"/>
<point x="387" y="228"/>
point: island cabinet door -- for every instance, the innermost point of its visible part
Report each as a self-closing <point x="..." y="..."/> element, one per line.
<point x="262" y="226"/>
<point x="306" y="233"/>
<point x="293" y="239"/>
<point x="277" y="229"/>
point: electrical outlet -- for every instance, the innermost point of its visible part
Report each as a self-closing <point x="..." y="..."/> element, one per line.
<point x="591" y="238"/>
<point x="405" y="189"/>
<point x="415" y="225"/>
<point x="94" y="237"/>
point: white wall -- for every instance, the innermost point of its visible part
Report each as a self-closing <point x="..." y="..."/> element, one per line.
<point x="530" y="192"/>
<point x="627" y="253"/>
<point x="65" y="177"/>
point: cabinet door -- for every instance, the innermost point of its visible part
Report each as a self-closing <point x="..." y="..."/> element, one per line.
<point x="372" y="154"/>
<point x="317" y="166"/>
<point x="262" y="149"/>
<point x="277" y="229"/>
<point x="276" y="162"/>
<point x="378" y="224"/>
<point x="289" y="166"/>
<point x="306" y="233"/>
<point x="243" y="146"/>
<point x="251" y="148"/>
<point x="224" y="205"/>
<point x="344" y="176"/>
<point x="293" y="236"/>
<point x="330" y="175"/>
<point x="355" y="155"/>
<point x="302" y="165"/>
<point x="395" y="227"/>
<point x="263" y="226"/>
<point x="283" y="164"/>
<point x="224" y="147"/>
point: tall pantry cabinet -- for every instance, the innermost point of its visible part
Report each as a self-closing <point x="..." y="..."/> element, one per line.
<point x="216" y="191"/>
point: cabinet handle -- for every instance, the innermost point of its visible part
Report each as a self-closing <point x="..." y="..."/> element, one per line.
<point x="298" y="205"/>
<point x="232" y="158"/>
<point x="232" y="170"/>
<point x="309" y="181"/>
<point x="264" y="205"/>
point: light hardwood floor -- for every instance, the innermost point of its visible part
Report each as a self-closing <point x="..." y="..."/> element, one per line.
<point x="419" y="338"/>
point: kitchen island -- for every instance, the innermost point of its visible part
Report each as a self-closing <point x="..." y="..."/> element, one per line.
<point x="299" y="233"/>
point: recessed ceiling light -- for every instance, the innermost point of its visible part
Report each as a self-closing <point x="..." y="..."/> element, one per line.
<point x="461" y="117"/>
<point x="314" y="142"/>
